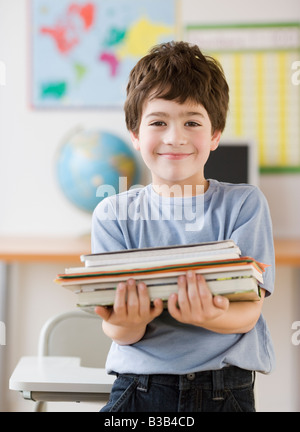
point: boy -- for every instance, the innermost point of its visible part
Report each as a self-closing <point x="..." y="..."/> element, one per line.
<point x="200" y="353"/>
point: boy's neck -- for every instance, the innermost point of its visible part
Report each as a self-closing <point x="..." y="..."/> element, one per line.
<point x="181" y="191"/>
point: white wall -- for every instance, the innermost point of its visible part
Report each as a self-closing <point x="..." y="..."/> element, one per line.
<point x="32" y="204"/>
<point x="29" y="140"/>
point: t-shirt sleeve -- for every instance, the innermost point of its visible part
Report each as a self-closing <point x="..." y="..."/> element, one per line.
<point x="106" y="232"/>
<point x="253" y="234"/>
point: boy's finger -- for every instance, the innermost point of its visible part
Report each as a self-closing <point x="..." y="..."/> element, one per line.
<point x="204" y="293"/>
<point x="193" y="291"/>
<point x="132" y="297"/>
<point x="174" y="311"/>
<point x="144" y="299"/>
<point x="103" y="312"/>
<point x="182" y="297"/>
<point x="120" y="298"/>
<point x="221" y="302"/>
<point x="158" y="307"/>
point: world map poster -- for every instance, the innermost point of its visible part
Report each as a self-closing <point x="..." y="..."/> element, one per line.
<point x="83" y="51"/>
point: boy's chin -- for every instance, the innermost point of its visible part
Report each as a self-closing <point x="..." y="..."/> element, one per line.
<point x="179" y="188"/>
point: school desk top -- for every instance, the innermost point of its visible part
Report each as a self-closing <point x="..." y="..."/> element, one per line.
<point x="69" y="249"/>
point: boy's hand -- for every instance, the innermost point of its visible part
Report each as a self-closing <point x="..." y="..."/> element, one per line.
<point x="131" y="312"/>
<point x="194" y="303"/>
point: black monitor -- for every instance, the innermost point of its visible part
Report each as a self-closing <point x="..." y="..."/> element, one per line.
<point x="233" y="162"/>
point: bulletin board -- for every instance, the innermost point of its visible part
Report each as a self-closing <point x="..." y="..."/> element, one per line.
<point x="259" y="62"/>
<point x="82" y="51"/>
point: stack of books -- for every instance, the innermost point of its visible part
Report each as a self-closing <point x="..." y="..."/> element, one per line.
<point x="220" y="262"/>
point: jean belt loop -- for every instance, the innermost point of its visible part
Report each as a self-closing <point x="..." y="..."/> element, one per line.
<point x="143" y="383"/>
<point x="217" y="385"/>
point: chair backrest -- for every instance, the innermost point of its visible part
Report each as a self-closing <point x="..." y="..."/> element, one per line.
<point x="75" y="334"/>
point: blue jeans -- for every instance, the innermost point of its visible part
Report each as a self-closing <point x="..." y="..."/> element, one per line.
<point x="225" y="390"/>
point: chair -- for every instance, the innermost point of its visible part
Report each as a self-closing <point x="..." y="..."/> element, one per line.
<point x="72" y="350"/>
<point x="81" y="330"/>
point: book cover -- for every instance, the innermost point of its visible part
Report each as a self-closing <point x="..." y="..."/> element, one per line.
<point x="156" y="253"/>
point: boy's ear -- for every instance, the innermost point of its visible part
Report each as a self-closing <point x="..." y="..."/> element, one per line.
<point x="135" y="140"/>
<point x="215" y="139"/>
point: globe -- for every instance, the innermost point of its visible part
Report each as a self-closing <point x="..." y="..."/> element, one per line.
<point x="92" y="164"/>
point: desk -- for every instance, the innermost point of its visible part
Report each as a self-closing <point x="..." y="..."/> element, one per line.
<point x="18" y="249"/>
<point x="43" y="249"/>
<point x="69" y="249"/>
<point x="60" y="379"/>
<point x="287" y="252"/>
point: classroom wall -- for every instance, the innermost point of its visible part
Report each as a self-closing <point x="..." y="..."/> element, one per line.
<point x="30" y="138"/>
<point x="32" y="203"/>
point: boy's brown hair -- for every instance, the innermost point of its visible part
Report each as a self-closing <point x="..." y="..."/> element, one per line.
<point x="177" y="71"/>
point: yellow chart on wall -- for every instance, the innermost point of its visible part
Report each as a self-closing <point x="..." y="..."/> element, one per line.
<point x="262" y="67"/>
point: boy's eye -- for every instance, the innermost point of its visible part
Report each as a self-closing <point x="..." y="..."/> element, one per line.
<point x="158" y="123"/>
<point x="192" y="124"/>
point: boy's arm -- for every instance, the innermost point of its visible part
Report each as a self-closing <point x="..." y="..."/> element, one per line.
<point x="194" y="304"/>
<point x="126" y="322"/>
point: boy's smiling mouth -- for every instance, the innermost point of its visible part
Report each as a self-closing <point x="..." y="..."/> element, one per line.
<point x="174" y="156"/>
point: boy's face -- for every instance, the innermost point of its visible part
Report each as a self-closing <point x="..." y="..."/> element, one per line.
<point x="175" y="141"/>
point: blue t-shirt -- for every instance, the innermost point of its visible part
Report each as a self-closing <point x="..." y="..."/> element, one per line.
<point x="141" y="218"/>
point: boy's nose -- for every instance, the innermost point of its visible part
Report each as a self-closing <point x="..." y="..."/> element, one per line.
<point x="175" y="136"/>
